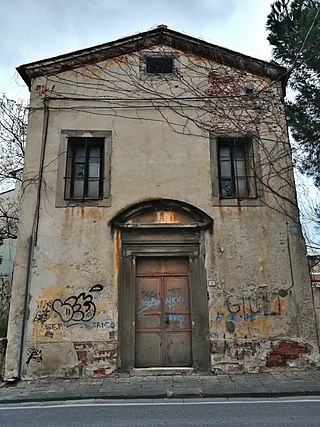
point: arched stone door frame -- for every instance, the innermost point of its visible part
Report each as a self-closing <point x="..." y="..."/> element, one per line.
<point x="163" y="228"/>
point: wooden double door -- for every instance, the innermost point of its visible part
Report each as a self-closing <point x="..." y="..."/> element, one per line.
<point x="163" y="336"/>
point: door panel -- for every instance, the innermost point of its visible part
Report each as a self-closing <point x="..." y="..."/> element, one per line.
<point x="148" y="295"/>
<point x="175" y="266"/>
<point x="178" y="349"/>
<point x="163" y="324"/>
<point x="148" y="349"/>
<point x="149" y="267"/>
<point x="176" y="294"/>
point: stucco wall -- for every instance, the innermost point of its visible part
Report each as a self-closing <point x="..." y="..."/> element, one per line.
<point x="260" y="310"/>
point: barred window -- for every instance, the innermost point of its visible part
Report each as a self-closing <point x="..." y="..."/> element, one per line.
<point x="236" y="168"/>
<point x="84" y="170"/>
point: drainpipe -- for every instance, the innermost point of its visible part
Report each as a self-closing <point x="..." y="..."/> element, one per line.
<point x="41" y="166"/>
<point x="25" y="305"/>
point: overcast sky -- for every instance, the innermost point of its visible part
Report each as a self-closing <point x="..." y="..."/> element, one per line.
<point x="37" y="29"/>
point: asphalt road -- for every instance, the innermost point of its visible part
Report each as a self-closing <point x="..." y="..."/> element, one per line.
<point x="233" y="412"/>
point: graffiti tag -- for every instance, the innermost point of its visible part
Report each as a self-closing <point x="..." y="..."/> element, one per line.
<point x="148" y="303"/>
<point x="248" y="308"/>
<point x="172" y="301"/>
<point x="34" y="354"/>
<point x="104" y="324"/>
<point x="179" y="318"/>
<point x="149" y="300"/>
<point x="79" y="308"/>
<point x="42" y="316"/>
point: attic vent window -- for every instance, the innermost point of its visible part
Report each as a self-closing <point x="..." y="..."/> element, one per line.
<point x="159" y="65"/>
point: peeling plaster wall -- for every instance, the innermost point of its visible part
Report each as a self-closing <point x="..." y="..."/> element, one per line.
<point x="259" y="296"/>
<point x="256" y="305"/>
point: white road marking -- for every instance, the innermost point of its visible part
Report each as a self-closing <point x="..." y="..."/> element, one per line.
<point x="156" y="403"/>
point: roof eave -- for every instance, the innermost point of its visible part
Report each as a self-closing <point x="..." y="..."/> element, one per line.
<point x="145" y="40"/>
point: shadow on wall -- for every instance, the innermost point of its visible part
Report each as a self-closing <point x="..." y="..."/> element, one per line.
<point x="3" y="345"/>
<point x="5" y="292"/>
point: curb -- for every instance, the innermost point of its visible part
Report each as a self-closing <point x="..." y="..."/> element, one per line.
<point x="161" y="395"/>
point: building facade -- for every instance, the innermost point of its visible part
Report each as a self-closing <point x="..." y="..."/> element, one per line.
<point x="9" y="205"/>
<point x="159" y="227"/>
<point x="9" y="212"/>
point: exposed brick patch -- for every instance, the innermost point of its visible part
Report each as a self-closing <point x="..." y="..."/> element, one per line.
<point x="213" y="347"/>
<point x="112" y="355"/>
<point x="275" y="360"/>
<point x="102" y="352"/>
<point x="99" y="373"/>
<point x="315" y="277"/>
<point x="220" y="84"/>
<point x="82" y="356"/>
<point x="285" y="351"/>
<point x="82" y="345"/>
<point x="98" y="358"/>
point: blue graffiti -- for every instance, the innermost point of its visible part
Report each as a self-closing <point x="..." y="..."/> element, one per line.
<point x="148" y="303"/>
<point x="219" y="315"/>
<point x="179" y="318"/>
<point x="172" y="301"/>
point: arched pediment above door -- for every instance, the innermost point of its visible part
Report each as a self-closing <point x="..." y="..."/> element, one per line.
<point x="162" y="213"/>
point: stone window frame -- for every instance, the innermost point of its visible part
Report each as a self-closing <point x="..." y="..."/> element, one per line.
<point x="217" y="199"/>
<point x="105" y="201"/>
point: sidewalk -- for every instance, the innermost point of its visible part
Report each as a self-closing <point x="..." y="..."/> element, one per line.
<point x="277" y="383"/>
